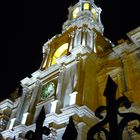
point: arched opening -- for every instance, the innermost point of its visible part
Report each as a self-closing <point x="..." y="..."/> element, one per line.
<point x="62" y="50"/>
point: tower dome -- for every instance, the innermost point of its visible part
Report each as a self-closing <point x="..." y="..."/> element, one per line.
<point x="84" y="12"/>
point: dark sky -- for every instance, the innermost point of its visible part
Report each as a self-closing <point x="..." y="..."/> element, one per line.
<point x="26" y="26"/>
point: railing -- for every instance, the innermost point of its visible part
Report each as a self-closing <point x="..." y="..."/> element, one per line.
<point x="40" y="129"/>
<point x="115" y="130"/>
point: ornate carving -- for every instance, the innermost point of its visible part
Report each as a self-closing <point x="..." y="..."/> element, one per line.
<point x="25" y="90"/>
<point x="3" y="122"/>
<point x="62" y="67"/>
<point x="53" y="134"/>
<point x="78" y="57"/>
<point x="38" y="82"/>
<point x="116" y="128"/>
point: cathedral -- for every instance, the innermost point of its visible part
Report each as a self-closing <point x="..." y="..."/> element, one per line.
<point x="72" y="77"/>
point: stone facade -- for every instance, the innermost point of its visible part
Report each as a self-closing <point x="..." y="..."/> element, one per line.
<point x="72" y="78"/>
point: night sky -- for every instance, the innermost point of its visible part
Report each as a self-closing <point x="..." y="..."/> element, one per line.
<point x="26" y="26"/>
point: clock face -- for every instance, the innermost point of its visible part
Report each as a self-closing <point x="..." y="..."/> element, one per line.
<point x="47" y="90"/>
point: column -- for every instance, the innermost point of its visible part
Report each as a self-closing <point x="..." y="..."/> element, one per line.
<point x="22" y="104"/>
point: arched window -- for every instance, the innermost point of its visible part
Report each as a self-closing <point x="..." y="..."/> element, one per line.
<point x="62" y="50"/>
<point x="86" y="6"/>
<point x="94" y="13"/>
<point x="75" y="12"/>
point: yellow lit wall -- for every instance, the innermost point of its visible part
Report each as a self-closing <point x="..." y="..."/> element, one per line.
<point x="75" y="12"/>
<point x="94" y="13"/>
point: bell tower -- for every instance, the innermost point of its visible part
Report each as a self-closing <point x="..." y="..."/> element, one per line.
<point x="74" y="53"/>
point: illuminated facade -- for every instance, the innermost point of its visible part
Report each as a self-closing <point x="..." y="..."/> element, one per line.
<point x="72" y="77"/>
